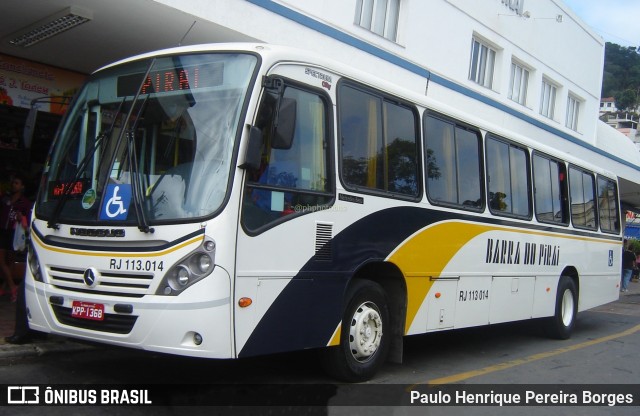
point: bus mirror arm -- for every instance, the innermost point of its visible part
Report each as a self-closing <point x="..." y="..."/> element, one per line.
<point x="253" y="153"/>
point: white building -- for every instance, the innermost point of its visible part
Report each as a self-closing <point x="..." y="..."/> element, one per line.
<point x="535" y="60"/>
<point x="531" y="59"/>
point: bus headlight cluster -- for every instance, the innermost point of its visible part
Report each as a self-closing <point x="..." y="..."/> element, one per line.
<point x="34" y="264"/>
<point x="190" y="269"/>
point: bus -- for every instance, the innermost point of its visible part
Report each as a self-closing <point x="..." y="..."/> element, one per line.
<point x="232" y="200"/>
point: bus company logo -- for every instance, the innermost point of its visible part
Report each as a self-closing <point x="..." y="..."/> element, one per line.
<point x="97" y="232"/>
<point x="90" y="276"/>
<point x="23" y="395"/>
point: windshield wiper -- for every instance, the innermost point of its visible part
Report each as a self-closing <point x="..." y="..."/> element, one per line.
<point x="130" y="133"/>
<point x="64" y="197"/>
<point x="136" y="188"/>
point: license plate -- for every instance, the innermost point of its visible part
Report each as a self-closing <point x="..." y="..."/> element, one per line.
<point x="84" y="310"/>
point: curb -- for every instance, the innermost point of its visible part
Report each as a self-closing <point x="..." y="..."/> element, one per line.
<point x="53" y="344"/>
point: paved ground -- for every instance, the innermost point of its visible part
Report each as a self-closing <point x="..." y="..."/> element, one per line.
<point x="629" y="303"/>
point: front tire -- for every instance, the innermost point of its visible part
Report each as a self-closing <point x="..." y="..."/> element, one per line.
<point x="364" y="337"/>
<point x="561" y="324"/>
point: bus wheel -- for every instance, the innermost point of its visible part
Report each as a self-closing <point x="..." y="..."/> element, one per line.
<point x="363" y="343"/>
<point x="561" y="324"/>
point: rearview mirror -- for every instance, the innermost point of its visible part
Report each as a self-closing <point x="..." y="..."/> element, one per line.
<point x="253" y="153"/>
<point x="285" y="124"/>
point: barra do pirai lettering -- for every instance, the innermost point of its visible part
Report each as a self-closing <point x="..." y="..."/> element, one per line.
<point x="515" y="252"/>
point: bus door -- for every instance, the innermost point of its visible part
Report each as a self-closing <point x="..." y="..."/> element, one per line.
<point x="284" y="220"/>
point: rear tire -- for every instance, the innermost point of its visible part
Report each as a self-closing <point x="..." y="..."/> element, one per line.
<point x="364" y="337"/>
<point x="561" y="324"/>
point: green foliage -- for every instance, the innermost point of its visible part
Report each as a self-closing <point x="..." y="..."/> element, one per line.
<point x="634" y="245"/>
<point x="621" y="77"/>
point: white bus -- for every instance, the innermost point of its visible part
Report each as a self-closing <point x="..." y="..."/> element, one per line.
<point x="226" y="201"/>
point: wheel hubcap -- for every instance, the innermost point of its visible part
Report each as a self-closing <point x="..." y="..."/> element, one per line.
<point x="365" y="332"/>
<point x="567" y="307"/>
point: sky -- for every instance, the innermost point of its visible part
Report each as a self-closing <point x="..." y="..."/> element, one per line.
<point x="617" y="21"/>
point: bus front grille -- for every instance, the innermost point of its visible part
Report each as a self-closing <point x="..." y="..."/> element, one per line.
<point x="128" y="284"/>
<point x="113" y="323"/>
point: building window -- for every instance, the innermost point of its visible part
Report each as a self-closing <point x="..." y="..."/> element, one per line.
<point x="519" y="83"/>
<point x="483" y="59"/>
<point x="548" y="99"/>
<point x="379" y="16"/>
<point x="573" y="112"/>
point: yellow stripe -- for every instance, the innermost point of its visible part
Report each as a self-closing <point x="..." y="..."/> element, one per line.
<point x="427" y="253"/>
<point x="456" y="378"/>
<point x="335" y="339"/>
<point x="197" y="239"/>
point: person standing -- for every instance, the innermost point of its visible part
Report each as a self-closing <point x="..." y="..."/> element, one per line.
<point x="628" y="263"/>
<point x="14" y="208"/>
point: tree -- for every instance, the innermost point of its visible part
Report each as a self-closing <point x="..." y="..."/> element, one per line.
<point x="621" y="75"/>
<point x="626" y="100"/>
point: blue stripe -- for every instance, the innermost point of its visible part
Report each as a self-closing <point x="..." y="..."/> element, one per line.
<point x="416" y="69"/>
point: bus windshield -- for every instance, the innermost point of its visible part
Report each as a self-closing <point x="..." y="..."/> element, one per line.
<point x="148" y="141"/>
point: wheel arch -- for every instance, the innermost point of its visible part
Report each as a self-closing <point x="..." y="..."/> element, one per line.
<point x="392" y="281"/>
<point x="572" y="272"/>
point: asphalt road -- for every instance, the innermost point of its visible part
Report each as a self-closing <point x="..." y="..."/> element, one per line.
<point x="604" y="350"/>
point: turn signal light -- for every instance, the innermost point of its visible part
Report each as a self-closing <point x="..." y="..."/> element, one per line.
<point x="244" y="302"/>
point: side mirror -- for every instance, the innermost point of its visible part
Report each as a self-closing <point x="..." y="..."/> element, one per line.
<point x="284" y="126"/>
<point x="253" y="153"/>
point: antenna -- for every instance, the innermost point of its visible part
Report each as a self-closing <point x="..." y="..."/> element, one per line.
<point x="185" y="35"/>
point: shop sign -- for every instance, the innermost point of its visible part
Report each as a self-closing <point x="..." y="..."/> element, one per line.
<point x="22" y="81"/>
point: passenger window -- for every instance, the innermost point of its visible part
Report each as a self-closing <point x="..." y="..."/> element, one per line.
<point x="608" y="206"/>
<point x="295" y="179"/>
<point x="453" y="164"/>
<point x="379" y="144"/>
<point x="583" y="203"/>
<point x="550" y="190"/>
<point x="508" y="179"/>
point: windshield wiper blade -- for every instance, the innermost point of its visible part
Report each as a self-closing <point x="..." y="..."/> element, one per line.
<point x="136" y="189"/>
<point x="64" y="197"/>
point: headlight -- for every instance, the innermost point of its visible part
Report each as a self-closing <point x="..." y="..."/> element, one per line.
<point x="34" y="264"/>
<point x="190" y="269"/>
<point x="203" y="262"/>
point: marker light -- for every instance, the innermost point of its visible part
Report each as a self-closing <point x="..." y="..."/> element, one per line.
<point x="245" y="302"/>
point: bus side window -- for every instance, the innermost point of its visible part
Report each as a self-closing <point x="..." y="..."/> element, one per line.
<point x="379" y="149"/>
<point x="508" y="178"/>
<point x="583" y="203"/>
<point x="453" y="160"/>
<point x="550" y="189"/>
<point x="294" y="179"/>
<point x="608" y="205"/>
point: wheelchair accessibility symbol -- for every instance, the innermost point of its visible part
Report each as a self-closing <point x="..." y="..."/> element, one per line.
<point x="115" y="205"/>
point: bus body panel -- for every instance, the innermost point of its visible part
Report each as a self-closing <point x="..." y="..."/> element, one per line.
<point x="130" y="279"/>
